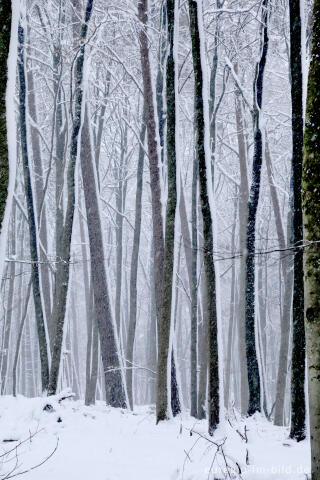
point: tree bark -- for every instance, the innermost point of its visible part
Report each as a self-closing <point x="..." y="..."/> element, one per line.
<point x="5" y="22"/>
<point x="213" y="390"/>
<point x="298" y="407"/>
<point x="311" y="212"/>
<point x="31" y="216"/>
<point x="157" y="220"/>
<point x="8" y="311"/>
<point x="252" y="361"/>
<point x="243" y="220"/>
<point x="167" y="279"/>
<point x="42" y="216"/>
<point x="134" y="269"/>
<point x="63" y="280"/>
<point x="19" y="338"/>
<point x="120" y="202"/>
<point x="286" y="267"/>
<point x="194" y="296"/>
<point x="108" y="337"/>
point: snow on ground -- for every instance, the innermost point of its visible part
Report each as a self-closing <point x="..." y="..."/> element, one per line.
<point x="100" y="443"/>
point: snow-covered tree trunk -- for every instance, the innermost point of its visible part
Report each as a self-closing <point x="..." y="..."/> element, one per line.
<point x="167" y="279"/>
<point x="8" y="312"/>
<point x="134" y="269"/>
<point x="157" y="220"/>
<point x="202" y="331"/>
<point x="194" y="294"/>
<point x="31" y="214"/>
<point x="286" y="272"/>
<point x="115" y="394"/>
<point x="243" y="220"/>
<point x="120" y="203"/>
<point x="251" y="347"/>
<point x="63" y="280"/>
<point x="38" y="187"/>
<point x="213" y="389"/>
<point x="5" y="30"/>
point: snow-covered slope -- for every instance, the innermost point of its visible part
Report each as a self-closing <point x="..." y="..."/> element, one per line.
<point x="99" y="443"/>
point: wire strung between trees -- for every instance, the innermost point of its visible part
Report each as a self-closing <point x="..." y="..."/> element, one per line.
<point x="293" y="249"/>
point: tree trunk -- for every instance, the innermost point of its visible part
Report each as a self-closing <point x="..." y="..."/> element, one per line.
<point x="213" y="390"/>
<point x="167" y="280"/>
<point x="243" y="220"/>
<point x="298" y="407"/>
<point x="152" y="353"/>
<point x="185" y="234"/>
<point x="5" y="22"/>
<point x="120" y="202"/>
<point x="108" y="337"/>
<point x="42" y="216"/>
<point x="134" y="269"/>
<point x="202" y="334"/>
<point x="228" y="360"/>
<point x="311" y="211"/>
<point x="252" y="360"/>
<point x="157" y="220"/>
<point x="63" y="280"/>
<point x="31" y="216"/>
<point x="19" y="338"/>
<point x="159" y="81"/>
<point x="286" y="267"/>
<point x="8" y="311"/>
<point x="194" y="296"/>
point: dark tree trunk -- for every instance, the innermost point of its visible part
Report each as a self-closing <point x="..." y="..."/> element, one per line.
<point x="160" y="79"/>
<point x="5" y="22"/>
<point x="167" y="280"/>
<point x="175" y="400"/>
<point x="298" y="407"/>
<point x="252" y="360"/>
<point x="213" y="389"/>
<point x="31" y="216"/>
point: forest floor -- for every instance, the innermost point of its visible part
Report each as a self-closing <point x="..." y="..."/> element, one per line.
<point x="99" y="443"/>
